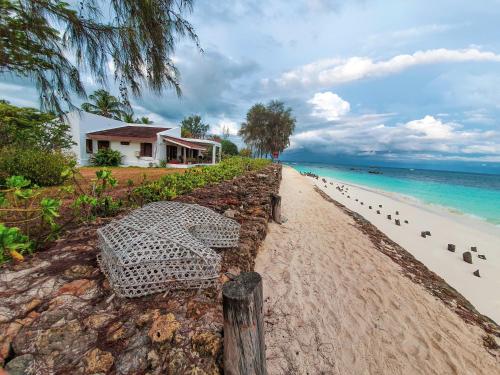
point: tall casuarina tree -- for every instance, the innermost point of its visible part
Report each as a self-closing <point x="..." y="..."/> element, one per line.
<point x="268" y="128"/>
<point x="51" y="41"/>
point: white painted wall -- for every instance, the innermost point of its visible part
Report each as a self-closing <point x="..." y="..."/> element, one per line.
<point x="82" y="123"/>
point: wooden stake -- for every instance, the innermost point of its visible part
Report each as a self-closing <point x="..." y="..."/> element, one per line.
<point x="244" y="347"/>
<point x="276" y="208"/>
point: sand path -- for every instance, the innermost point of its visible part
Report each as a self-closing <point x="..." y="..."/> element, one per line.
<point x="335" y="305"/>
<point x="446" y="227"/>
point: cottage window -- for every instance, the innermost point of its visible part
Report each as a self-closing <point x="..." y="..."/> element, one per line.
<point x="102" y="145"/>
<point x="89" y="146"/>
<point x="147" y="149"/>
<point x="124" y="143"/>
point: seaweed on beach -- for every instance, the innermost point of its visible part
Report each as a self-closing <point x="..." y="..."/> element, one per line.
<point x="417" y="272"/>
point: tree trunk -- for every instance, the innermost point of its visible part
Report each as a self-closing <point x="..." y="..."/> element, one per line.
<point x="276" y="208"/>
<point x="244" y="348"/>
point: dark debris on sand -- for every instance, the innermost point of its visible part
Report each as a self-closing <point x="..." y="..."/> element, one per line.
<point x="419" y="273"/>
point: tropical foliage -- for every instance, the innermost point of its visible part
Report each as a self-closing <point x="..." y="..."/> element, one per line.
<point x="22" y="206"/>
<point x="29" y="217"/>
<point x="41" y="167"/>
<point x="143" y="120"/>
<point x="228" y="148"/>
<point x="28" y="127"/>
<point x="99" y="202"/>
<point x="106" y="158"/>
<point x="13" y="244"/>
<point x="245" y="152"/>
<point x="268" y="127"/>
<point x="193" y="127"/>
<point x="172" y="185"/>
<point x="128" y="117"/>
<point x="40" y="39"/>
<point x="105" y="104"/>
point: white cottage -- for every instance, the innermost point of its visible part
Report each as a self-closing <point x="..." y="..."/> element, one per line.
<point x="140" y="144"/>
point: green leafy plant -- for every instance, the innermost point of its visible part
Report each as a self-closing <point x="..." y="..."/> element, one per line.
<point x="173" y="185"/>
<point x="25" y="127"/>
<point x="228" y="148"/>
<point x="13" y="244"/>
<point x="99" y="201"/>
<point x="193" y="127"/>
<point x="41" y="167"/>
<point x="48" y="41"/>
<point x="106" y="158"/>
<point x="246" y="152"/>
<point x="268" y="128"/>
<point x="105" y="104"/>
<point x="28" y="218"/>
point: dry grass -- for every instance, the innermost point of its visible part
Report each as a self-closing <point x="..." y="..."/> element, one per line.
<point x="136" y="174"/>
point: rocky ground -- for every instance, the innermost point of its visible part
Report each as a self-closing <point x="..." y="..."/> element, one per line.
<point x="59" y="316"/>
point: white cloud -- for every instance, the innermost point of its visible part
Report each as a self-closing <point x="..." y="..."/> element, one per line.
<point x="421" y="137"/>
<point x="336" y="71"/>
<point x="225" y="125"/>
<point x="329" y="106"/>
<point x="431" y="128"/>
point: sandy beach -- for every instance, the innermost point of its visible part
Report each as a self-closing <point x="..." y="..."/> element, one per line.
<point x="446" y="228"/>
<point x="336" y="304"/>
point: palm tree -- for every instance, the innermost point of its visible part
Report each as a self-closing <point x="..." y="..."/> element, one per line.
<point x="128" y="117"/>
<point x="104" y="104"/>
<point x="144" y="120"/>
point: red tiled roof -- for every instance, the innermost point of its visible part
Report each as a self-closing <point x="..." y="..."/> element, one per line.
<point x="127" y="132"/>
<point x="182" y="142"/>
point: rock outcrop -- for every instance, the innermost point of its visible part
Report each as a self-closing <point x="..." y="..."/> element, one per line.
<point x="59" y="315"/>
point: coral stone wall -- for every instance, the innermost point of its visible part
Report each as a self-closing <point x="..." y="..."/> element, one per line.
<point x="58" y="314"/>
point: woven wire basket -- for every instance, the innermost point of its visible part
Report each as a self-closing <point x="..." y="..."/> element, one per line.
<point x="163" y="246"/>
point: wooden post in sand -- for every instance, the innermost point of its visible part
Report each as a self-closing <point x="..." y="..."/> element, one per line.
<point x="244" y="348"/>
<point x="276" y="208"/>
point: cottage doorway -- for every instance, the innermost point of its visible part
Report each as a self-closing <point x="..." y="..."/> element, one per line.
<point x="171" y="153"/>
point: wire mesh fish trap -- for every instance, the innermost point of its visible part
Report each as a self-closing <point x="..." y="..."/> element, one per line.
<point x="164" y="245"/>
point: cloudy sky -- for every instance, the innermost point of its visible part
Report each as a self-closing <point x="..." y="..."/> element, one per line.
<point x="378" y="79"/>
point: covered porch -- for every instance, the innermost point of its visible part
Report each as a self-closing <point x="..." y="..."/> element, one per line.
<point x="190" y="152"/>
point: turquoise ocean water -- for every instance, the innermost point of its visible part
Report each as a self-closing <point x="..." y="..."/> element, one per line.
<point x="463" y="193"/>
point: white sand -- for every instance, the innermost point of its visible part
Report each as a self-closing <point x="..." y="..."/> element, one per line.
<point x="336" y="305"/>
<point x="445" y="227"/>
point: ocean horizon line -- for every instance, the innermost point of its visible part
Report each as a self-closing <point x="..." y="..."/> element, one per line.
<point x="374" y="165"/>
<point x="460" y="194"/>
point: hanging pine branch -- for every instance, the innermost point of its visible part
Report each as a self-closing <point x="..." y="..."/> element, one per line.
<point x="52" y="43"/>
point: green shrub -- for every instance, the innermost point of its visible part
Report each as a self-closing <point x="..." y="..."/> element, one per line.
<point x="246" y="152"/>
<point x="99" y="202"/>
<point x="41" y="167"/>
<point x="30" y="218"/>
<point x="25" y="127"/>
<point x="106" y="158"/>
<point x="228" y="148"/>
<point x="13" y="243"/>
<point x="172" y="185"/>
